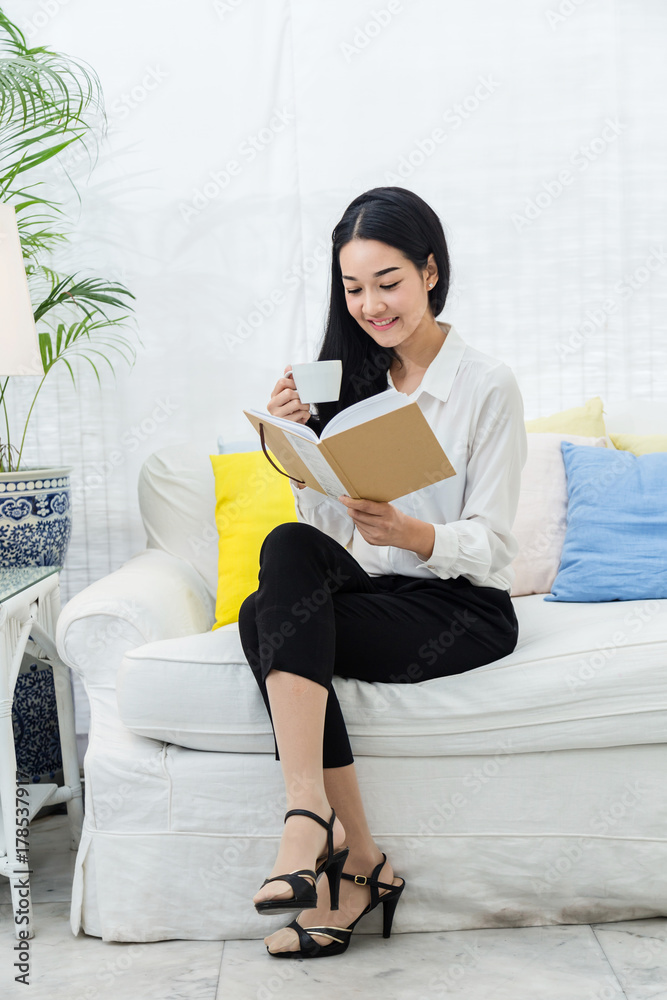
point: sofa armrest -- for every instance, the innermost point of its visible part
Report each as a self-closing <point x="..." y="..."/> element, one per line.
<point x="154" y="595"/>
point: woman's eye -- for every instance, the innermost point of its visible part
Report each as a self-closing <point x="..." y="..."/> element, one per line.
<point x="353" y="291"/>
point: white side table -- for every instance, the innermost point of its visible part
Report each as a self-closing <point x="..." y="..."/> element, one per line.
<point x="29" y="609"/>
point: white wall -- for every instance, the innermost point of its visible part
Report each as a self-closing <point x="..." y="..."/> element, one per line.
<point x="548" y="274"/>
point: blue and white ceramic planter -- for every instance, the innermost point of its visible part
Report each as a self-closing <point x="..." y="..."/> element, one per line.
<point x="35" y="516"/>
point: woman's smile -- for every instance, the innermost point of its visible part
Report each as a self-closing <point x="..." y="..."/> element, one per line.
<point x="383" y="324"/>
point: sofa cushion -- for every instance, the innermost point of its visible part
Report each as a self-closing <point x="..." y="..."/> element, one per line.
<point x="639" y="444"/>
<point x="539" y="525"/>
<point x="250" y="500"/>
<point x="582" y="675"/>
<point x="177" y="502"/>
<point x="615" y="547"/>
<point x="587" y="420"/>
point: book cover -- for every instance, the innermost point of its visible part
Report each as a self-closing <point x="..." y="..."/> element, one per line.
<point x="380" y="459"/>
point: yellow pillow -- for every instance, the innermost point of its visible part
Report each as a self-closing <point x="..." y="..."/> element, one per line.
<point x="250" y="500"/>
<point x="586" y="420"/>
<point x="639" y="444"/>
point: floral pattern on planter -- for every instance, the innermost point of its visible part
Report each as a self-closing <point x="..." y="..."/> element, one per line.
<point x="35" y="720"/>
<point x="35" y="517"/>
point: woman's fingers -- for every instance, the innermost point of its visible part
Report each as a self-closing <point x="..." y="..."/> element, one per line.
<point x="281" y="385"/>
<point x="285" y="400"/>
<point x="290" y="399"/>
<point x="294" y="406"/>
<point x="287" y="404"/>
<point x="284" y="395"/>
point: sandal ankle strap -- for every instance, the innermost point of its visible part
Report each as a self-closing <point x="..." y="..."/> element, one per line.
<point x="367" y="880"/>
<point x="307" y="812"/>
<point x="372" y="880"/>
<point x="327" y="826"/>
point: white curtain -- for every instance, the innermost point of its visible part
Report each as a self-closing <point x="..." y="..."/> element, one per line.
<point x="239" y="130"/>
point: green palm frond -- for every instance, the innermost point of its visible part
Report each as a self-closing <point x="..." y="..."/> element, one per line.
<point x="37" y="84"/>
<point x="49" y="104"/>
<point x="63" y="341"/>
<point x="36" y="229"/>
<point x="48" y="101"/>
<point x="88" y="294"/>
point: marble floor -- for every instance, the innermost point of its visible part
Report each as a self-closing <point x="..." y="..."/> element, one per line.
<point x="574" y="962"/>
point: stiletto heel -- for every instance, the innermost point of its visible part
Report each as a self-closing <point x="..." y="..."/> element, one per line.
<point x="305" y="892"/>
<point x="389" y="904"/>
<point x="340" y="936"/>
<point x="334" y="872"/>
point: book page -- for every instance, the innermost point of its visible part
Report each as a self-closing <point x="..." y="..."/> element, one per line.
<point x="365" y="409"/>
<point x="320" y="468"/>
<point x="286" y="425"/>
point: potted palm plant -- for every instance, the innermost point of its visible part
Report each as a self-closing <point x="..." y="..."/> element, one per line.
<point x="49" y="102"/>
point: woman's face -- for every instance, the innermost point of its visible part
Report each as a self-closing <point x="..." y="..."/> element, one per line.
<point x="399" y="295"/>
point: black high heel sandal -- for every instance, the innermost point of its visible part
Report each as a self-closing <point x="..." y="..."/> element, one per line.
<point x="305" y="892"/>
<point x="341" y="935"/>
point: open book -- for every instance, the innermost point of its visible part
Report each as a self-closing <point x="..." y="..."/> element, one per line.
<point x="380" y="448"/>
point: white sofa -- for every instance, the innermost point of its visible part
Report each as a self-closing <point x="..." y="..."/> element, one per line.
<point x="528" y="791"/>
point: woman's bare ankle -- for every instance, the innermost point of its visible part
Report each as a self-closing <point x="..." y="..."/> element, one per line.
<point x="363" y="859"/>
<point x="319" y="806"/>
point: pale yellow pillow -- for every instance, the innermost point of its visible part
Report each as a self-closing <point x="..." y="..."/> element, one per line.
<point x="639" y="444"/>
<point x="251" y="499"/>
<point x="586" y="420"/>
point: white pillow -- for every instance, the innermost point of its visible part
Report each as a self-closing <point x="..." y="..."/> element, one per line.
<point x="540" y="522"/>
<point x="177" y="501"/>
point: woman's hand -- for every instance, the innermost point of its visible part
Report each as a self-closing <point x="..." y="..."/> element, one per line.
<point x="285" y="403"/>
<point x="285" y="400"/>
<point x="381" y="524"/>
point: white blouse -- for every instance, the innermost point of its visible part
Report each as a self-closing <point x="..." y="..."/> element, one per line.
<point x="473" y="404"/>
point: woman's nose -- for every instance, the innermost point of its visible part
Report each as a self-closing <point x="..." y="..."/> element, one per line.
<point x="373" y="306"/>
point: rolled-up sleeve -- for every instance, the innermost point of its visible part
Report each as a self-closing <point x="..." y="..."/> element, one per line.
<point x="480" y="542"/>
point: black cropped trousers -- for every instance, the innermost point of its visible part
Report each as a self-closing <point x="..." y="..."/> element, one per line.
<point x="317" y="613"/>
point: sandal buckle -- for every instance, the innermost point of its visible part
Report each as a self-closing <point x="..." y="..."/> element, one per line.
<point x="360" y="879"/>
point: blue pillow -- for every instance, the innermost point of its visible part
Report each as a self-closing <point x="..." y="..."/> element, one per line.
<point x="615" y="546"/>
<point x="227" y="447"/>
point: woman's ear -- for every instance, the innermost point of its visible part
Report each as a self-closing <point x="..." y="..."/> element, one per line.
<point x="431" y="272"/>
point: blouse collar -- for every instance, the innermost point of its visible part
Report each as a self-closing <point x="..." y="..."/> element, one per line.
<point x="440" y="374"/>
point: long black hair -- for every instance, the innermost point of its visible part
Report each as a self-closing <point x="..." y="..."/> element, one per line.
<point x="401" y="219"/>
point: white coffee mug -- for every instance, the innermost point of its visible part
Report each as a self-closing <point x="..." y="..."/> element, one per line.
<point x="318" y="381"/>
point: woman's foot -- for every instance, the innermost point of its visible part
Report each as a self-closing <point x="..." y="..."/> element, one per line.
<point x="303" y="844"/>
<point x="353" y="900"/>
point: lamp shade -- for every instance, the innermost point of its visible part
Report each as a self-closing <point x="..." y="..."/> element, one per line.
<point x="19" y="347"/>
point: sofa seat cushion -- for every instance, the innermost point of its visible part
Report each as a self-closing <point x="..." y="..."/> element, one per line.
<point x="582" y="675"/>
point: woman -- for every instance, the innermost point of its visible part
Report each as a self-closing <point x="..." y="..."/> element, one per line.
<point x="401" y="592"/>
